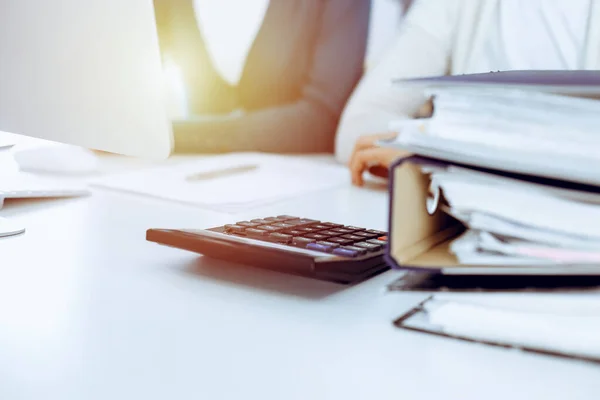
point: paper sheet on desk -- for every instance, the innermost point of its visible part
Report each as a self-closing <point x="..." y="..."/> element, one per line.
<point x="275" y="178"/>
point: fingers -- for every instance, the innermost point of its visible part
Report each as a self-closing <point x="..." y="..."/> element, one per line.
<point x="386" y="136"/>
<point x="376" y="158"/>
<point x="369" y="141"/>
<point x="364" y="160"/>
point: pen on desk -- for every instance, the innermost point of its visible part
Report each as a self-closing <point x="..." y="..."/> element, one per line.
<point x="220" y="173"/>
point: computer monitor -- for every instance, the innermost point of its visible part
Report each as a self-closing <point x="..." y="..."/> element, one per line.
<point x="84" y="72"/>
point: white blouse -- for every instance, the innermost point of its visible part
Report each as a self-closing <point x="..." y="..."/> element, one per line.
<point x="537" y="34"/>
<point x="229" y="28"/>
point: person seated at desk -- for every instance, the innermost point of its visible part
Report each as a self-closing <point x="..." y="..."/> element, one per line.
<point x="442" y="37"/>
<point x="262" y="75"/>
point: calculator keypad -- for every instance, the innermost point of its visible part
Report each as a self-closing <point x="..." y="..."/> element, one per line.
<point x="326" y="237"/>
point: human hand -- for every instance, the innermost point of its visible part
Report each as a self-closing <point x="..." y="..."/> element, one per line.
<point x="367" y="156"/>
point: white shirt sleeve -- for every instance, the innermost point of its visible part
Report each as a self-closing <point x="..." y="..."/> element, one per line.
<point x="421" y="48"/>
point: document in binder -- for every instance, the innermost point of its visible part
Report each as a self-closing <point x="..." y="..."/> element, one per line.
<point x="506" y="180"/>
<point x="546" y="123"/>
<point x="456" y="219"/>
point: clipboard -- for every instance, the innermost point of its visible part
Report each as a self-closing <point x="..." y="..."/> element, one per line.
<point x="428" y="283"/>
<point x="420" y="237"/>
<point x="417" y="320"/>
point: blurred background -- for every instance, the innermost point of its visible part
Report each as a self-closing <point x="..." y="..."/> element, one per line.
<point x="385" y="20"/>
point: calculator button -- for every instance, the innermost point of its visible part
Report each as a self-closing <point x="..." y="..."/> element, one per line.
<point x="260" y="221"/>
<point x="329" y="244"/>
<point x="339" y="240"/>
<point x="282" y="225"/>
<point x="269" y="228"/>
<point x="354" y="228"/>
<point x="365" y="235"/>
<point x="360" y="250"/>
<point x="286" y="217"/>
<point x="303" y="221"/>
<point x="354" y="238"/>
<point x="294" y="232"/>
<point x="306" y="230"/>
<point x="330" y="233"/>
<point x="234" y="229"/>
<point x="280" y="238"/>
<point x="319" y="247"/>
<point x="331" y="225"/>
<point x="368" y="246"/>
<point x="319" y="227"/>
<point x="256" y="233"/>
<point x="383" y="238"/>
<point x="376" y="241"/>
<point x="302" y="242"/>
<point x="316" y="236"/>
<point x="248" y="224"/>
<point x="378" y="233"/>
<point x="346" y="252"/>
<point x="342" y="231"/>
<point x="278" y="219"/>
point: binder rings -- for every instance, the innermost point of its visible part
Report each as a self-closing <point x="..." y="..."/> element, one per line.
<point x="419" y="240"/>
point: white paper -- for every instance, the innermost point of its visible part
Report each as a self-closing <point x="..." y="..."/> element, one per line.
<point x="519" y="108"/>
<point x="479" y="146"/>
<point x="520" y="131"/>
<point x="514" y="222"/>
<point x="469" y="251"/>
<point x="487" y="223"/>
<point x="275" y="178"/>
<point x="520" y="248"/>
<point x="526" y="207"/>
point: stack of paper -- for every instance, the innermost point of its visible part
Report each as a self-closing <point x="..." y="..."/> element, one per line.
<point x="541" y="123"/>
<point x="231" y="183"/>
<point x="538" y="133"/>
<point x="511" y="221"/>
<point x="495" y="123"/>
<point x="511" y="121"/>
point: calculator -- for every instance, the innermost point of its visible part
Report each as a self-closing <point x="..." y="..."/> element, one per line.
<point x="295" y="245"/>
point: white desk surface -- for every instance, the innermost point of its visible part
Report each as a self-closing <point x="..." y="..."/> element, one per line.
<point x="90" y="310"/>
